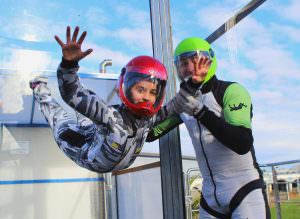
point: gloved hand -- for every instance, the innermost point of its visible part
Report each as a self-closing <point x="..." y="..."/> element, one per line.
<point x="186" y="102"/>
<point x="36" y="81"/>
<point x="41" y="92"/>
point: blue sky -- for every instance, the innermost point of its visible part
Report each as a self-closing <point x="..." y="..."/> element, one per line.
<point x="261" y="52"/>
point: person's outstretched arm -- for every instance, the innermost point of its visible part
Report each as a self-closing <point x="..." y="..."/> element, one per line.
<point x="73" y="93"/>
<point x="168" y="117"/>
<point x="164" y="127"/>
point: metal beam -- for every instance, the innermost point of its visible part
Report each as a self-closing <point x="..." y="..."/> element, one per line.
<point x="231" y="22"/>
<point x="276" y="191"/>
<point x="32" y="109"/>
<point x="169" y="145"/>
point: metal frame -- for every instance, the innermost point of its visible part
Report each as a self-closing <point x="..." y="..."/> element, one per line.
<point x="170" y="151"/>
<point x="237" y="17"/>
<point x="169" y="145"/>
<point x="276" y="183"/>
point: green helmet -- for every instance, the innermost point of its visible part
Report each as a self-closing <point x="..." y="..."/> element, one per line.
<point x="194" y="44"/>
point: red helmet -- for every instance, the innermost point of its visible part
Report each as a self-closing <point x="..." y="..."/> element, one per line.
<point x="143" y="68"/>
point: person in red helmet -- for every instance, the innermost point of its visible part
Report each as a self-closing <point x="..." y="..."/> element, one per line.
<point x="140" y="73"/>
<point x="104" y="137"/>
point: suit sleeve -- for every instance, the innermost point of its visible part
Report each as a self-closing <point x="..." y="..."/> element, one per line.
<point x="164" y="127"/>
<point x="82" y="99"/>
<point x="234" y="129"/>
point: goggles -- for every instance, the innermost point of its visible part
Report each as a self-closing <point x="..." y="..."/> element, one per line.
<point x="192" y="54"/>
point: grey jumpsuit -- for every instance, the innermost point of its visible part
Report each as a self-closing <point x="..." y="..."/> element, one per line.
<point x="103" y="138"/>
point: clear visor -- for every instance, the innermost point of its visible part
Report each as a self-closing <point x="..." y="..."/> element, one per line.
<point x="185" y="62"/>
<point x="139" y="88"/>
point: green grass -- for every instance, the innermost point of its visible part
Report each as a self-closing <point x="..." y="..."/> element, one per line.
<point x="288" y="210"/>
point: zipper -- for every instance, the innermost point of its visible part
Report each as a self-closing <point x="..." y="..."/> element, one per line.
<point x="207" y="163"/>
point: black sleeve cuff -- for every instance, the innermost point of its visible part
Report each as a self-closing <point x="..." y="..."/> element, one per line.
<point x="201" y="113"/>
<point x="191" y="87"/>
<point x="68" y="64"/>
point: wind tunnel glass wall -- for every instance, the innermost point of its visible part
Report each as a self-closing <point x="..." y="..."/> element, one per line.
<point x="115" y="30"/>
<point x="261" y="53"/>
<point x="257" y="53"/>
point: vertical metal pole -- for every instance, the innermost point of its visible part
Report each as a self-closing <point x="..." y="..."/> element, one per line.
<point x="1" y="136"/>
<point x="108" y="196"/>
<point x="32" y="109"/>
<point x="287" y="190"/>
<point x="268" y="193"/>
<point x="276" y="193"/>
<point x="188" y="195"/>
<point x="169" y="145"/>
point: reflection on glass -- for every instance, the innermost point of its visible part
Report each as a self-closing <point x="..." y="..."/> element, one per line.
<point x="246" y="54"/>
<point x="116" y="31"/>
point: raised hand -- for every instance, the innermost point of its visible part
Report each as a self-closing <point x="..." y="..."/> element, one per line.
<point x="201" y="69"/>
<point x="71" y="50"/>
<point x="185" y="102"/>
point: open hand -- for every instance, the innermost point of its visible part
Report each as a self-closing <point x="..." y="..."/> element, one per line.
<point x="201" y="66"/>
<point x="71" y="50"/>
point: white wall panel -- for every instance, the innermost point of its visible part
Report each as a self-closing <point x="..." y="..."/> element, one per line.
<point x="139" y="194"/>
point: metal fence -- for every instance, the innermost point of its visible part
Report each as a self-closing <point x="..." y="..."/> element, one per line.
<point x="282" y="186"/>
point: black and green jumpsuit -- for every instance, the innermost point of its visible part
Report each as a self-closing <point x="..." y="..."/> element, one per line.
<point x="221" y="134"/>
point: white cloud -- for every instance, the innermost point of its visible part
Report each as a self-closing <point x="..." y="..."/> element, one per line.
<point x="135" y="16"/>
<point x="276" y="135"/>
<point x="236" y="70"/>
<point x="27" y="60"/>
<point x="282" y="121"/>
<point x="288" y="10"/>
<point x="268" y="96"/>
<point x="206" y="16"/>
<point x="270" y="59"/>
<point x="274" y="62"/>
<point x="281" y="101"/>
<point x="286" y="31"/>
<point x="100" y="53"/>
<point x="96" y="17"/>
<point x="26" y="64"/>
<point x="30" y="28"/>
<point x="137" y="38"/>
<point x="134" y="30"/>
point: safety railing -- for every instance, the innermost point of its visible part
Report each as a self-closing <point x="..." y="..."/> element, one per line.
<point x="282" y="186"/>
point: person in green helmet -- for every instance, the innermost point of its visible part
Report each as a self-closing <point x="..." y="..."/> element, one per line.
<point x="218" y="117"/>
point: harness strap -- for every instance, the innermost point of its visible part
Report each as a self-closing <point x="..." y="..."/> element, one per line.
<point x="211" y="211"/>
<point x="243" y="192"/>
<point x="235" y="201"/>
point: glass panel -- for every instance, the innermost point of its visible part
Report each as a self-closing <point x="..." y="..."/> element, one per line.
<point x="246" y="54"/>
<point x="260" y="53"/>
<point x="115" y="30"/>
<point x="288" y="188"/>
